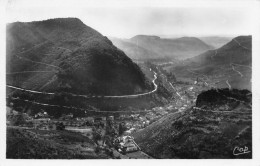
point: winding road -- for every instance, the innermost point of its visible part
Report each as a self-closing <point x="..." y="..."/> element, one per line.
<point x="229" y="86"/>
<point x="176" y="91"/>
<point x="86" y="96"/>
<point x="233" y="68"/>
<point x="76" y="108"/>
<point x="23" y="72"/>
<point x="74" y="95"/>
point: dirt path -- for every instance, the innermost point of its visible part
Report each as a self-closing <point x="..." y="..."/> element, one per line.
<point x="23" y="72"/>
<point x="241" y="45"/>
<point x="233" y="68"/>
<point x="229" y="86"/>
<point x="241" y="65"/>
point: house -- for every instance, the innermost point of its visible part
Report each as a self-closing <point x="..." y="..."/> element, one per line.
<point x="111" y="118"/>
<point x="128" y="132"/>
<point x="10" y="111"/>
<point x="40" y="122"/>
<point x="121" y="117"/>
<point x="50" y="126"/>
<point x="44" y="124"/>
<point x="90" y="119"/>
<point x="99" y="119"/>
<point x="126" y="144"/>
<point x="41" y="114"/>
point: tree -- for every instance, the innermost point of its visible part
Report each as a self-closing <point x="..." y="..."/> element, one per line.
<point x="60" y="126"/>
<point x="122" y="128"/>
<point x="97" y="136"/>
<point x="19" y="119"/>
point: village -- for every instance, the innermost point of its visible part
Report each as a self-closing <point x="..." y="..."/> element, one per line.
<point x="113" y="132"/>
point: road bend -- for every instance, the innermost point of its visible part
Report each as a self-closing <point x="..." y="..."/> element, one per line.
<point x="24" y="72"/>
<point x="87" y="96"/>
<point x="229" y="86"/>
<point x="241" y="65"/>
<point x="233" y="68"/>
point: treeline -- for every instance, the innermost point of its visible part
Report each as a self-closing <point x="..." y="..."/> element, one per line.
<point x="218" y="96"/>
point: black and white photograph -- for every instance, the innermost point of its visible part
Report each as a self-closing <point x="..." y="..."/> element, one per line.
<point x="130" y="80"/>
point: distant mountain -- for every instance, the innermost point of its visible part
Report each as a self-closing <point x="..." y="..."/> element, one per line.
<point x="180" y="48"/>
<point x="238" y="50"/>
<point x="220" y="121"/>
<point x="227" y="66"/>
<point x="133" y="50"/>
<point x="216" y="41"/>
<point x="63" y="54"/>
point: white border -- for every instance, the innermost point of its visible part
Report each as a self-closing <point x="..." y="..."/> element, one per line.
<point x="253" y="6"/>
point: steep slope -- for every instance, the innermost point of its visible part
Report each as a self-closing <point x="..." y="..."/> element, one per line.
<point x="220" y="122"/>
<point x="66" y="55"/>
<point x="238" y="50"/>
<point x="63" y="66"/>
<point x="227" y="66"/>
<point x="181" y="48"/>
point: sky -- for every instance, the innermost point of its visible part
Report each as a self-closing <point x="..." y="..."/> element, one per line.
<point x="126" y="19"/>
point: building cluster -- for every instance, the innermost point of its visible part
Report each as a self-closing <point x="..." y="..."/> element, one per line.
<point x="126" y="144"/>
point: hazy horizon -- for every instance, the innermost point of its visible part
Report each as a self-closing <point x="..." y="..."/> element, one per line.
<point x="128" y="20"/>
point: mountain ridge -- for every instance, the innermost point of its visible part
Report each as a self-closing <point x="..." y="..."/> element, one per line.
<point x="71" y="42"/>
<point x="163" y="48"/>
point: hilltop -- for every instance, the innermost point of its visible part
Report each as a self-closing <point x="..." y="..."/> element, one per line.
<point x="67" y="61"/>
<point x="79" y="57"/>
<point x="238" y="50"/>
